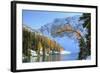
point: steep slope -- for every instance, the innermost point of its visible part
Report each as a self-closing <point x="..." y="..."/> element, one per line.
<point x="50" y="28"/>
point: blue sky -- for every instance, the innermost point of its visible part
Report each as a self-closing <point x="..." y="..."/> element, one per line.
<point x="36" y="19"/>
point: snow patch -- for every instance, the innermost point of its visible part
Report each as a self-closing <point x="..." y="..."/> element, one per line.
<point x="65" y="52"/>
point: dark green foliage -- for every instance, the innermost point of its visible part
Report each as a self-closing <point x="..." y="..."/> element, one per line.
<point x="86" y="17"/>
<point x="85" y="50"/>
<point x="27" y="42"/>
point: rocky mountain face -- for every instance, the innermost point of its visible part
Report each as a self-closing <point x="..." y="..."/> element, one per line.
<point x="50" y="28"/>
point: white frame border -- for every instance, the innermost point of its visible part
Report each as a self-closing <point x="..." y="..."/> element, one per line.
<point x="35" y="65"/>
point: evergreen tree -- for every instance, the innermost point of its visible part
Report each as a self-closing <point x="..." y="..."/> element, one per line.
<point x="86" y="17"/>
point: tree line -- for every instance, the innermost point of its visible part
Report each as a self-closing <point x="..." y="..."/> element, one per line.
<point x="37" y="42"/>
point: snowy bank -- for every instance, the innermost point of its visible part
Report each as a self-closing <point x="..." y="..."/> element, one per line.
<point x="65" y="52"/>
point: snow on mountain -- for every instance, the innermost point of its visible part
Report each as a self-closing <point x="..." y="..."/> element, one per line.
<point x="73" y="21"/>
<point x="47" y="29"/>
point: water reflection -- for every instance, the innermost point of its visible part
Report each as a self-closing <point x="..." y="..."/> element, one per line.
<point x="56" y="57"/>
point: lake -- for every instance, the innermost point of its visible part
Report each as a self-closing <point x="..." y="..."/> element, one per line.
<point x="56" y="57"/>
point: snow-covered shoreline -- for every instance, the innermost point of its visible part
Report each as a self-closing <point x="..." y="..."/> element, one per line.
<point x="33" y="53"/>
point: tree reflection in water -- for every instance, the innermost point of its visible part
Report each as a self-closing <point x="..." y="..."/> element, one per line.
<point x="52" y="58"/>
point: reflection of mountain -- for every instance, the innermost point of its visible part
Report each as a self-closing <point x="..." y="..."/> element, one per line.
<point x="50" y="28"/>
